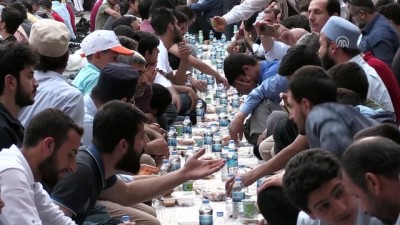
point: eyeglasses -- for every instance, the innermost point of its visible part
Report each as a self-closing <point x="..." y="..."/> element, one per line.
<point x="352" y="15"/>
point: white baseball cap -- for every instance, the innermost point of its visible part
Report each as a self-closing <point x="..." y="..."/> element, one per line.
<point x="101" y="40"/>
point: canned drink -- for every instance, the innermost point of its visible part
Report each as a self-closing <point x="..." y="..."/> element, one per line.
<point x="249" y="208"/>
<point x="187" y="186"/>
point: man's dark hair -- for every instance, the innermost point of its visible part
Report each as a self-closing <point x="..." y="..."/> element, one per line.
<point x="120" y="117"/>
<point x="157" y="4"/>
<point x="128" y="42"/>
<point x="348" y="97"/>
<point x="161" y="98"/>
<point x="377" y="155"/>
<point x="391" y="12"/>
<point x="332" y="7"/>
<point x="233" y="65"/>
<point x="350" y="76"/>
<point x="306" y="172"/>
<point x="312" y="83"/>
<point x="144" y="8"/>
<point x="365" y="5"/>
<point x="13" y="58"/>
<point x="21" y="9"/>
<point x="276" y="208"/>
<point x="28" y="5"/>
<point x="125" y="6"/>
<point x="383" y="130"/>
<point x="180" y="16"/>
<point x="189" y="13"/>
<point x="381" y="3"/>
<point x="52" y="123"/>
<point x="127" y="31"/>
<point x="147" y="43"/>
<point x="45" y="3"/>
<point x="297" y="21"/>
<point x="52" y="63"/>
<point x="124" y="20"/>
<point x="160" y="19"/>
<point x="12" y="18"/>
<point x="296" y="57"/>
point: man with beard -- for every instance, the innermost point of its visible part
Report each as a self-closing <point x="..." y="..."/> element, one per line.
<point x="48" y="153"/>
<point x="338" y="40"/>
<point x="17" y="87"/>
<point x="378" y="35"/>
<point x="118" y="143"/>
<point x="371" y="168"/>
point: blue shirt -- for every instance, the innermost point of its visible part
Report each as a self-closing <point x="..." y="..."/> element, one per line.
<point x="62" y="10"/>
<point x="271" y="84"/>
<point x="54" y="91"/>
<point x="87" y="78"/>
<point x="208" y="9"/>
<point x="380" y="37"/>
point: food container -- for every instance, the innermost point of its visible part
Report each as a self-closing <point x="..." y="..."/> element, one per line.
<point x="185" y="198"/>
<point x="169" y="201"/>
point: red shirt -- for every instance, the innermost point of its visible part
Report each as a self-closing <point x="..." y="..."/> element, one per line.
<point x="388" y="79"/>
<point x="57" y="17"/>
<point x="93" y="14"/>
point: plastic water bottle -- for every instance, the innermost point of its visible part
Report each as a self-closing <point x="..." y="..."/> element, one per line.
<point x="208" y="139"/>
<point x="232" y="158"/>
<point x="223" y="38"/>
<point x="211" y="35"/>
<point x="237" y="197"/>
<point x="220" y="219"/>
<point x="224" y="170"/>
<point x="187" y="127"/>
<point x="189" y="153"/>
<point x="241" y="169"/>
<point x="175" y="161"/>
<point x="165" y="167"/>
<point x="172" y="139"/>
<point x="206" y="213"/>
<point x="201" y="38"/>
<point x="223" y="97"/>
<point x="199" y="111"/>
<point x="217" y="145"/>
<point x="235" y="102"/>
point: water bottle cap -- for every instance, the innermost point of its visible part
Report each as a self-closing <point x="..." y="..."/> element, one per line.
<point x="190" y="148"/>
<point x="220" y="214"/>
<point x="241" y="166"/>
<point x="187" y="117"/>
<point x="206" y="201"/>
<point x="164" y="161"/>
<point x="231" y="175"/>
<point x="238" y="179"/>
<point x="199" y="101"/>
<point x="174" y="153"/>
<point x="125" y="218"/>
<point x="231" y="142"/>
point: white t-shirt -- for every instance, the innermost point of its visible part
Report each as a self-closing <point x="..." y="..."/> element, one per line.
<point x="163" y="66"/>
<point x="362" y="219"/>
<point x="25" y="201"/>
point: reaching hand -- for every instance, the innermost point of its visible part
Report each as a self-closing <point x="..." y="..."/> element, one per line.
<point x="199" y="85"/>
<point x="222" y="80"/>
<point x="196" y="168"/>
<point x="272" y="181"/>
<point x="156" y="127"/>
<point x="148" y="170"/>
<point x="218" y="23"/>
<point x="236" y="129"/>
<point x="246" y="181"/>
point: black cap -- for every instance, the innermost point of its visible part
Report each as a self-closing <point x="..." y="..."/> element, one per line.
<point x="362" y="3"/>
<point x="117" y="81"/>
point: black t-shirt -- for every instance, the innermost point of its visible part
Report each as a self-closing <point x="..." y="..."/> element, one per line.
<point x="79" y="191"/>
<point x="11" y="130"/>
